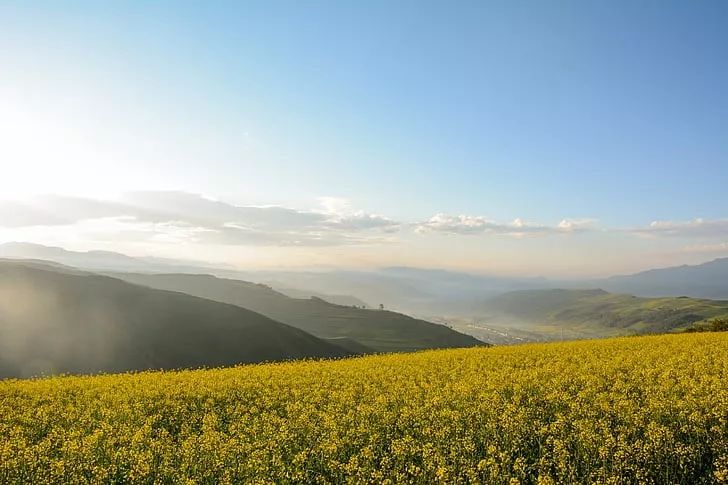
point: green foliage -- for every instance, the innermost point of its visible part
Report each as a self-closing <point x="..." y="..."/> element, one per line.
<point x="716" y="325"/>
<point x="603" y="313"/>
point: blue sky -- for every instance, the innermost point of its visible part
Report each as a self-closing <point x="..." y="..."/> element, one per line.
<point x="616" y="112"/>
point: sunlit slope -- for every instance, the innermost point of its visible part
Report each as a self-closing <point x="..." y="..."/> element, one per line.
<point x="629" y="410"/>
<point x="602" y="313"/>
<point x="55" y="320"/>
<point x="381" y="331"/>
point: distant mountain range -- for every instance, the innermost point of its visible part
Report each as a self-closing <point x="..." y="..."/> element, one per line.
<point x="416" y="291"/>
<point x="707" y="280"/>
<point x="320" y="302"/>
<point x="435" y="292"/>
<point x="412" y="290"/>
<point x="79" y="312"/>
<point x="101" y="261"/>
<point x="60" y="320"/>
<point x="98" y="260"/>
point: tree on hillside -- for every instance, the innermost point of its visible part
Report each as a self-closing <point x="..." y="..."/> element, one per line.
<point x="715" y="325"/>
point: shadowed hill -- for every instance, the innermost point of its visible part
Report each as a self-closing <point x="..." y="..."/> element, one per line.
<point x="55" y="320"/>
<point x="382" y="331"/>
<point x="351" y="345"/>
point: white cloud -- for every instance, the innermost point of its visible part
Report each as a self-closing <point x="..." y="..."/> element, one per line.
<point x="341" y="215"/>
<point x="335" y="205"/>
<point x="455" y="224"/>
<point x="718" y="248"/>
<point x="470" y="225"/>
<point x="697" y="228"/>
<point x="171" y="216"/>
<point x="577" y="225"/>
<point x="181" y="216"/>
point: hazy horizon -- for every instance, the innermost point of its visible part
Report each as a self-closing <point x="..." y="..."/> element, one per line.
<point x="225" y="265"/>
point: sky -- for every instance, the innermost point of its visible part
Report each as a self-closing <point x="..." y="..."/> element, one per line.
<point x="563" y="138"/>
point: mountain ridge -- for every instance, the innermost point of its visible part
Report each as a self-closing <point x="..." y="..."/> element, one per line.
<point x="381" y="330"/>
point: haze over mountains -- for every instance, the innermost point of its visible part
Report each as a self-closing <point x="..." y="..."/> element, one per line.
<point x="413" y="290"/>
<point x="707" y="280"/>
<point x="77" y="312"/>
<point x="418" y="291"/>
<point x="60" y="320"/>
<point x="380" y="330"/>
<point x="95" y="260"/>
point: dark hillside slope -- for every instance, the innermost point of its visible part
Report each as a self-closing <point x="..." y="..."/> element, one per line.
<point x="61" y="322"/>
<point x="382" y="331"/>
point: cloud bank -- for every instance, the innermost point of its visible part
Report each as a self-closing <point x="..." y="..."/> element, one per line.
<point x="201" y="219"/>
<point x="697" y="228"/>
<point x="471" y="225"/>
<point x="176" y="217"/>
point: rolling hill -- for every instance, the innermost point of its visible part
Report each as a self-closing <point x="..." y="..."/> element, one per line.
<point x="343" y="300"/>
<point x="599" y="313"/>
<point x="60" y="320"/>
<point x="382" y="331"/>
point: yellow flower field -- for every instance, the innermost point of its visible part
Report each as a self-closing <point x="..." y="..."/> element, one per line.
<point x="627" y="410"/>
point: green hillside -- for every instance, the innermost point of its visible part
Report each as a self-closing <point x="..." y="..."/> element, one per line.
<point x="55" y="320"/>
<point x="351" y="345"/>
<point x="382" y="331"/>
<point x="600" y="313"/>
